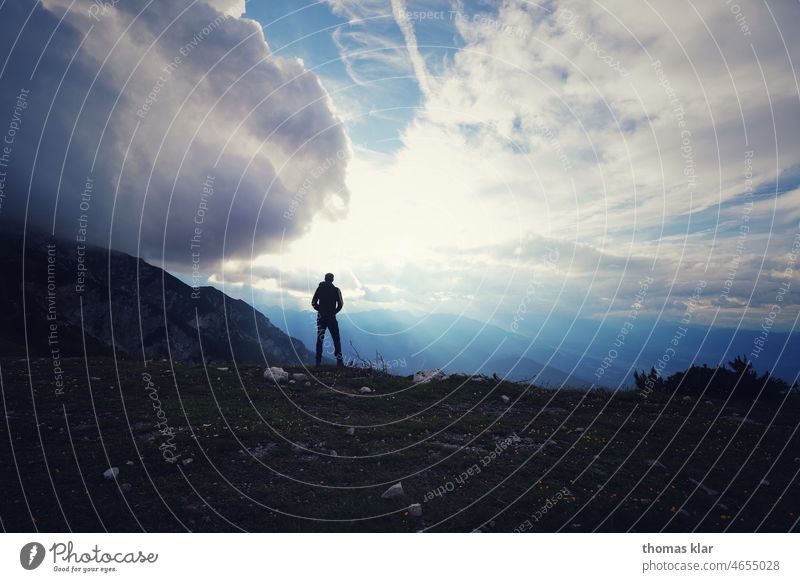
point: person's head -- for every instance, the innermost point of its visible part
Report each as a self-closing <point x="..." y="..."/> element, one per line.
<point x="329" y="277"/>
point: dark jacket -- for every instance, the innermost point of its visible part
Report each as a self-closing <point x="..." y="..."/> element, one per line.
<point x="327" y="299"/>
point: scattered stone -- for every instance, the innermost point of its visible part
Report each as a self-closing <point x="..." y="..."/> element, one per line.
<point x="223" y="369"/>
<point x="350" y="431"/>
<point x="722" y="506"/>
<point x="307" y="384"/>
<point x="333" y="453"/>
<point x="299" y="377"/>
<point x="579" y="429"/>
<point x="739" y="419"/>
<point x="424" y="376"/>
<point x="703" y="488"/>
<point x="394" y="492"/>
<point x="262" y="451"/>
<point x="276" y="374"/>
<point x="709" y="402"/>
<point x="188" y="461"/>
<point x="111" y="473"/>
<point x="686" y="399"/>
<point x="366" y="390"/>
<point x="415" y="510"/>
<point x="292" y="381"/>
<point x="764" y="482"/>
<point x="129" y="463"/>
<point x="505" y="399"/>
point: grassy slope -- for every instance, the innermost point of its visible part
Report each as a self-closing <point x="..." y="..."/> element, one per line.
<point x="238" y="429"/>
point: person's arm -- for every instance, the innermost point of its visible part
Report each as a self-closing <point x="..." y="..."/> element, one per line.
<point x="340" y="301"/>
<point x="315" y="300"/>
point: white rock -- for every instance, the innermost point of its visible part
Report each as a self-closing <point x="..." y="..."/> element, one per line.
<point x="187" y="461"/>
<point x="505" y="399"/>
<point x="703" y="488"/>
<point x="424" y="376"/>
<point x="222" y="369"/>
<point x="129" y="463"/>
<point x="292" y="381"/>
<point x="111" y="473"/>
<point x="580" y="429"/>
<point x="350" y="431"/>
<point x="654" y="463"/>
<point x="307" y="384"/>
<point x="366" y="390"/>
<point x="764" y="482"/>
<point x="687" y="398"/>
<point x="394" y="492"/>
<point x="299" y="377"/>
<point x="415" y="510"/>
<point x="276" y="374"/>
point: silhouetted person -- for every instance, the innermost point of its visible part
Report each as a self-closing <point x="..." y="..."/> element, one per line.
<point x="327" y="302"/>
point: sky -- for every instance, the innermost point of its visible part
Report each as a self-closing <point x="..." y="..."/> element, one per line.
<point x="502" y="160"/>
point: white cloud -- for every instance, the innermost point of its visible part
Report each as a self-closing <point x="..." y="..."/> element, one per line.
<point x="400" y="13"/>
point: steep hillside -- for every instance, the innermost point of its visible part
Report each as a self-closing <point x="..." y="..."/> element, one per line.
<point x="58" y="298"/>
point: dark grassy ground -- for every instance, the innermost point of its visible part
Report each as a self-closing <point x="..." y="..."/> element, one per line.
<point x="256" y="457"/>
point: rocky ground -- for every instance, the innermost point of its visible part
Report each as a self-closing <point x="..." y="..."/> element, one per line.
<point x="173" y="447"/>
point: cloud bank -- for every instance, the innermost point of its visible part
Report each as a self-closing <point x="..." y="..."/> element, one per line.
<point x="164" y="129"/>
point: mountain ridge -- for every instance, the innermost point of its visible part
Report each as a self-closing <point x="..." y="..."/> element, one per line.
<point x="65" y="299"/>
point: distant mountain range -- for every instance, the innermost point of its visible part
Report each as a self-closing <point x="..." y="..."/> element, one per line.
<point x="565" y="351"/>
<point x="62" y="300"/>
<point x="409" y="343"/>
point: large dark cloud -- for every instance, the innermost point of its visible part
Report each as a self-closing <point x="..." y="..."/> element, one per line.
<point x="149" y="99"/>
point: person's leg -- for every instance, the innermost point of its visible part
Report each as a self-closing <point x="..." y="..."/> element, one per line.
<point x="337" y="342"/>
<point x="320" y="337"/>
